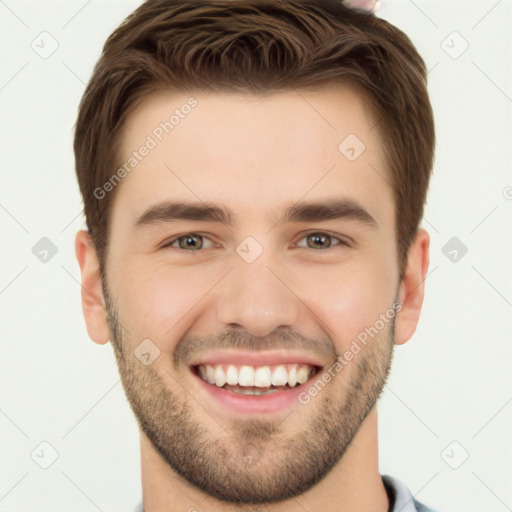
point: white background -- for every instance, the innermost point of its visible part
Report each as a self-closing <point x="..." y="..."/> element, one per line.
<point x="450" y="383"/>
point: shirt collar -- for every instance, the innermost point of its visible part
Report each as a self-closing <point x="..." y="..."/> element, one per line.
<point x="401" y="499"/>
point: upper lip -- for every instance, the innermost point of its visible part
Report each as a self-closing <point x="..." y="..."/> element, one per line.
<point x="240" y="357"/>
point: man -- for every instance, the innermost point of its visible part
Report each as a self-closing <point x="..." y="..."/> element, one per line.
<point x="253" y="175"/>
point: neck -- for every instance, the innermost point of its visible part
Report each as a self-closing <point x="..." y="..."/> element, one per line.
<point x="354" y="484"/>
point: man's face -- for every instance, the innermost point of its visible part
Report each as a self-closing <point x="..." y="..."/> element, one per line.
<point x="262" y="291"/>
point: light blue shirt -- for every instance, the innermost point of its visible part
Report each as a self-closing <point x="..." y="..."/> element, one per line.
<point x="401" y="499"/>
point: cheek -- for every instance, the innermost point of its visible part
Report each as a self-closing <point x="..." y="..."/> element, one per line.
<point x="352" y="300"/>
<point x="154" y="304"/>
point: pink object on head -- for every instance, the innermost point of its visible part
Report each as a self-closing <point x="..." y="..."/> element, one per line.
<point x="366" y="5"/>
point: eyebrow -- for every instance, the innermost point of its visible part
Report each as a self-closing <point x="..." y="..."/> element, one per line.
<point x="320" y="210"/>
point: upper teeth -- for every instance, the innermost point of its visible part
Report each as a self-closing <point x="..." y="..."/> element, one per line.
<point x="261" y="376"/>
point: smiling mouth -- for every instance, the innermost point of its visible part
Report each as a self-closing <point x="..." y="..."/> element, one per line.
<point x="256" y="380"/>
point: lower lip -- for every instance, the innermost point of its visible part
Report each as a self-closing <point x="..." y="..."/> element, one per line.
<point x="272" y="402"/>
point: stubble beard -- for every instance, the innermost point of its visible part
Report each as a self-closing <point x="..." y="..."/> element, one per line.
<point x="254" y="461"/>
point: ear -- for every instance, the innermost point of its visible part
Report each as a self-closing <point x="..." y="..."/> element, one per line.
<point x="93" y="303"/>
<point x="412" y="288"/>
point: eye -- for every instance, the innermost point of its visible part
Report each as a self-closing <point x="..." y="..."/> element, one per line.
<point x="190" y="242"/>
<point x="320" y="240"/>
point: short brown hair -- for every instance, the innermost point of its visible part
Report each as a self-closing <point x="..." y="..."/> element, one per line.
<point x="258" y="46"/>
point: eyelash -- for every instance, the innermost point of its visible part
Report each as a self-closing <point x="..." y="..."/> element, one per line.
<point x="332" y="237"/>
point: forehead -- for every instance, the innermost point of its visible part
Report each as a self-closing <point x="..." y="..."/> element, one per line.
<point x="253" y="152"/>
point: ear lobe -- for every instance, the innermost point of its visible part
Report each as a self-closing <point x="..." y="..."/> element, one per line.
<point x="93" y="303"/>
<point x="412" y="288"/>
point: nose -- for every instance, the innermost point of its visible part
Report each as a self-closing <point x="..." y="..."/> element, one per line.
<point x="256" y="297"/>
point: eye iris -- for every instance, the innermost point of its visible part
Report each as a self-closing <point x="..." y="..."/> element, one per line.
<point x="188" y="242"/>
<point x="316" y="237"/>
